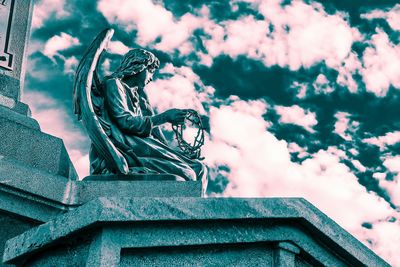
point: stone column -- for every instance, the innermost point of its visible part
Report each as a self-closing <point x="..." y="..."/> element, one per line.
<point x="285" y="254"/>
<point x="15" y="24"/>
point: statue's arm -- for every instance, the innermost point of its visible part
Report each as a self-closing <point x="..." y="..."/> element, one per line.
<point x="118" y="110"/>
<point x="147" y="109"/>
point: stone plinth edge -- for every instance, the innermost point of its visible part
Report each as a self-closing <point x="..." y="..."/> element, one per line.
<point x="290" y="213"/>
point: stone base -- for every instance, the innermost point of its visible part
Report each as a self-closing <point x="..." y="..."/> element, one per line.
<point x="22" y="119"/>
<point x="39" y="196"/>
<point x="190" y="231"/>
<point x="153" y="186"/>
<point x="23" y="142"/>
<point x="134" y="177"/>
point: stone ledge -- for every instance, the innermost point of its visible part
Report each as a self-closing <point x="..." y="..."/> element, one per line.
<point x="9" y="115"/>
<point x="114" y="211"/>
<point x="41" y="196"/>
<point x="35" y="149"/>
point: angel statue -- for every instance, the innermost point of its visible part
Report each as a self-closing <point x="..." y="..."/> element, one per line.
<point x="124" y="130"/>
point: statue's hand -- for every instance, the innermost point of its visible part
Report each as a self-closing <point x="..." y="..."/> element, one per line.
<point x="175" y="116"/>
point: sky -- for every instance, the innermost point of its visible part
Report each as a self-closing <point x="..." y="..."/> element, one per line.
<point x="302" y="96"/>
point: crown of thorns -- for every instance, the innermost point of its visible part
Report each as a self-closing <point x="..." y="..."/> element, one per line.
<point x="192" y="150"/>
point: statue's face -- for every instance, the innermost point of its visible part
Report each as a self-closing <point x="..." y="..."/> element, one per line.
<point x="144" y="77"/>
<point x="149" y="76"/>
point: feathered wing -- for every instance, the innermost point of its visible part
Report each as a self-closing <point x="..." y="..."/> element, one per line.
<point x="86" y="86"/>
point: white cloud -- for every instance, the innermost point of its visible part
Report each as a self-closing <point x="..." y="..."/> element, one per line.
<point x="321" y="85"/>
<point x="179" y="91"/>
<point x="58" y="43"/>
<point x="392" y="164"/>
<point x="342" y="124"/>
<point x="385" y="237"/>
<point x="382" y="142"/>
<point x="345" y="126"/>
<point x="357" y="164"/>
<point x="43" y="9"/>
<point x="70" y="65"/>
<point x="295" y="148"/>
<point x="300" y="89"/>
<point x="117" y="47"/>
<point x="151" y="21"/>
<point x="392" y="16"/>
<point x="302" y="36"/>
<point x="380" y="61"/>
<point x="260" y="165"/>
<point x="298" y="116"/>
<point x="351" y="65"/>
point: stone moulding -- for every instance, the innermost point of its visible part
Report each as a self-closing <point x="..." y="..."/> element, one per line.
<point x="40" y="196"/>
<point x="293" y="225"/>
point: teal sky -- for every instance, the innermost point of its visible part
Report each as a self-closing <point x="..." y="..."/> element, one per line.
<point x="302" y="96"/>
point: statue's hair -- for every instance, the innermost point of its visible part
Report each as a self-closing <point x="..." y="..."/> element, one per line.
<point x="136" y="61"/>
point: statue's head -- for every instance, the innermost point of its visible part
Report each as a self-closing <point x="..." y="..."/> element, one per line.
<point x="137" y="62"/>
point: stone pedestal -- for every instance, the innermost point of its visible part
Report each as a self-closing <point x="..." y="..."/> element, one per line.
<point x="190" y="231"/>
<point x="21" y="140"/>
<point x="15" y="23"/>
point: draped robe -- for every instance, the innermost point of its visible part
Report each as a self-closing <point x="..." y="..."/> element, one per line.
<point x="126" y="120"/>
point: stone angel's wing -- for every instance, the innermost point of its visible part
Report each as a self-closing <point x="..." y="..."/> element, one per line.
<point x="86" y="93"/>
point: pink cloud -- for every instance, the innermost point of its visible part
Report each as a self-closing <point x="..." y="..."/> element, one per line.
<point x="380" y="61"/>
<point x="392" y="16"/>
<point x="345" y="126"/>
<point x="298" y="116"/>
<point x="151" y="21"/>
<point x="390" y="138"/>
<point x="43" y="9"/>
<point x="59" y="43"/>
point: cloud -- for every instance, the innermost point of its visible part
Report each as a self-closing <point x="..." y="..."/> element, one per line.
<point x="380" y="61"/>
<point x="382" y="142"/>
<point x="300" y="89"/>
<point x="54" y="120"/>
<point x="295" y="35"/>
<point x="58" y="43"/>
<point x="259" y="166"/>
<point x="298" y="116"/>
<point x="392" y="164"/>
<point x="322" y="86"/>
<point x="350" y="66"/>
<point x="384" y="237"/>
<point x="70" y="65"/>
<point x="392" y="185"/>
<point x="392" y="16"/>
<point x="179" y="90"/>
<point x="117" y="47"/>
<point x="44" y="9"/>
<point x="152" y="21"/>
<point x="344" y="126"/>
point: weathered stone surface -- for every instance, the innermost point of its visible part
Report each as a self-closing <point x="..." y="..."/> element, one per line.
<point x="89" y="190"/>
<point x="41" y="196"/>
<point x="225" y="255"/>
<point x="17" y="21"/>
<point x="33" y="194"/>
<point x="291" y="229"/>
<point x="11" y="225"/>
<point x="35" y="149"/>
<point x="14" y="105"/>
<point x="11" y="116"/>
<point x="133" y="177"/>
